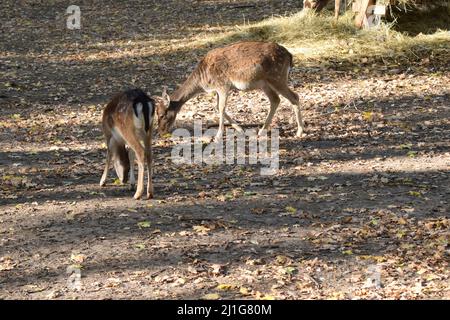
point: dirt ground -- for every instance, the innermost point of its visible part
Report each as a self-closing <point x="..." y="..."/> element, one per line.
<point x="358" y="210"/>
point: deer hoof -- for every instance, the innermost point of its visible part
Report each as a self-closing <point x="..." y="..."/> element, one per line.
<point x="238" y="128"/>
<point x="150" y="192"/>
<point x="300" y="134"/>
<point x="137" y="196"/>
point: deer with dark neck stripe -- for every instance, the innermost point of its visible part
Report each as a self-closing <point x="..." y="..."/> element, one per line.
<point x="128" y="121"/>
<point x="243" y="66"/>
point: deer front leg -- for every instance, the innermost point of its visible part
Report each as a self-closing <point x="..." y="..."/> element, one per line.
<point x="141" y="168"/>
<point x="132" y="157"/>
<point x="233" y="123"/>
<point x="106" y="170"/>
<point x="149" y="159"/>
<point x="222" y="96"/>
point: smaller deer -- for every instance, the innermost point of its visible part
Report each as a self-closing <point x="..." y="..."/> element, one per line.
<point x="243" y="66"/>
<point x="128" y="121"/>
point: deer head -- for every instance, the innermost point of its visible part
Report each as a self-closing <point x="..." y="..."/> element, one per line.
<point x="166" y="113"/>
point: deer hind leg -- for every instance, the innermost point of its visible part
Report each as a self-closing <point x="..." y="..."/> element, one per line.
<point x="121" y="161"/>
<point x="106" y="170"/>
<point x="222" y="96"/>
<point x="132" y="158"/>
<point x="138" y="150"/>
<point x="113" y="153"/>
<point x="231" y="121"/>
<point x="140" y="155"/>
<point x="284" y="90"/>
<point x="337" y="7"/>
<point x="274" y="103"/>
<point x="149" y="159"/>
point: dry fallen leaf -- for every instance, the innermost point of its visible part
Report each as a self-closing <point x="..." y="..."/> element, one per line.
<point x="211" y="296"/>
<point x="217" y="269"/>
<point x="226" y="286"/>
<point x="201" y="229"/>
<point x="6" y="263"/>
<point x="144" y="224"/>
<point x="280" y="259"/>
<point x="78" y="258"/>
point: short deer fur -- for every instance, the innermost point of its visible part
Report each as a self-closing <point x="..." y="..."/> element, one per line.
<point x="128" y="121"/>
<point x="318" y="5"/>
<point x="242" y="66"/>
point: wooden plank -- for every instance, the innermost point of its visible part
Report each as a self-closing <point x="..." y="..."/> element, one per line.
<point x="380" y="10"/>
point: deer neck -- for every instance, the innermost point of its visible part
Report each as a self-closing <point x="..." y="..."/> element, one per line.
<point x="190" y="88"/>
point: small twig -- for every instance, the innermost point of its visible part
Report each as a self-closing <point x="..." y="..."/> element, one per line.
<point x="216" y="124"/>
<point x="315" y="281"/>
<point x="240" y="6"/>
<point x="157" y="272"/>
<point x="182" y="218"/>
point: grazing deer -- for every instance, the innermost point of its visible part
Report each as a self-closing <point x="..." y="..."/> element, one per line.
<point x="128" y="121"/>
<point x="243" y="66"/>
<point x="318" y="5"/>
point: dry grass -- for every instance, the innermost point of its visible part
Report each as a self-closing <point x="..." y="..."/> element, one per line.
<point x="320" y="37"/>
<point x="417" y="21"/>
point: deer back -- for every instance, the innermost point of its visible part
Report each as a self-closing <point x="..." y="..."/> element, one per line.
<point x="245" y="63"/>
<point x="129" y="113"/>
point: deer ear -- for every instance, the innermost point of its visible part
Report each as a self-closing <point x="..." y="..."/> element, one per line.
<point x="160" y="108"/>
<point x="165" y="96"/>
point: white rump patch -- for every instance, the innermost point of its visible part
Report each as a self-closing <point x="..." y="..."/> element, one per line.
<point x="139" y="120"/>
<point x="139" y="107"/>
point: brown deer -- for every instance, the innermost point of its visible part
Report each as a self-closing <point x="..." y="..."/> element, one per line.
<point x="128" y="121"/>
<point x="318" y="5"/>
<point x="242" y="66"/>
